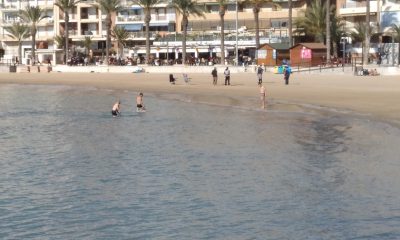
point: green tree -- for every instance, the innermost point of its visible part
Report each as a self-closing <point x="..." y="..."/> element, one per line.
<point x="109" y="7"/>
<point x="60" y="40"/>
<point x="87" y="43"/>
<point x="147" y="5"/>
<point x="313" y="22"/>
<point x="337" y="32"/>
<point x="222" y="9"/>
<point x="186" y="8"/>
<point x="66" y="6"/>
<point x="18" y="32"/>
<point x="121" y="35"/>
<point x="33" y="15"/>
<point x="359" y="34"/>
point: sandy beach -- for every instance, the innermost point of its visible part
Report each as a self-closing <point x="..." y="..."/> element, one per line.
<point x="373" y="96"/>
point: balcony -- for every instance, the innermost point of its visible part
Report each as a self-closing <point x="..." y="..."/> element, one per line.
<point x="357" y="9"/>
<point x="136" y="18"/>
<point x="9" y="7"/>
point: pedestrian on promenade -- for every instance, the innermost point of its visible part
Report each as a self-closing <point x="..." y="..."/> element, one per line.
<point x="227" y="74"/>
<point x="286" y="74"/>
<point x="214" y="74"/>
<point x="260" y="71"/>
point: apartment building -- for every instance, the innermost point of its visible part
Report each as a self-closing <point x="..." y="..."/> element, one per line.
<point x="87" y="19"/>
<point x="45" y="30"/>
<point x="383" y="14"/>
<point x="205" y="31"/>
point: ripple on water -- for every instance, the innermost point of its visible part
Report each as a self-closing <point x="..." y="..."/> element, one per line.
<point x="190" y="171"/>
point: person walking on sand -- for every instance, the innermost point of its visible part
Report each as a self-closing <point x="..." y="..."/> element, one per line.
<point x="227" y="74"/>
<point x="115" y="112"/>
<point x="262" y="96"/>
<point x="214" y="74"/>
<point x="139" y="103"/>
<point x="260" y="71"/>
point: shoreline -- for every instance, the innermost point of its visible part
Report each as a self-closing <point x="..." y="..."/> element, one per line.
<point x="370" y="96"/>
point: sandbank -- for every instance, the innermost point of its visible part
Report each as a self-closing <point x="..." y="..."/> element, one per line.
<point x="373" y="96"/>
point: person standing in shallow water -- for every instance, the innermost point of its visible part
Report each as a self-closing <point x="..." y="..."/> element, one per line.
<point x="262" y="96"/>
<point x="116" y="109"/>
<point x="139" y="103"/>
<point x="214" y="74"/>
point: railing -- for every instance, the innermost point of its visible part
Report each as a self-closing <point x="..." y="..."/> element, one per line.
<point x="143" y="34"/>
<point x="140" y="18"/>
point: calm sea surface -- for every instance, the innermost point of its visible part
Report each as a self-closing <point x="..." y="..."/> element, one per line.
<point x="190" y="171"/>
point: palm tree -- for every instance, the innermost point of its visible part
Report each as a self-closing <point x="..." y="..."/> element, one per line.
<point x="60" y="40"/>
<point x="19" y="32"/>
<point x="337" y="33"/>
<point x="257" y="4"/>
<point x="328" y="30"/>
<point x="109" y="7"/>
<point x="186" y="8"/>
<point x="361" y="30"/>
<point x="313" y="22"/>
<point x="396" y="30"/>
<point x="121" y="35"/>
<point x="66" y="6"/>
<point x="147" y="5"/>
<point x="33" y="15"/>
<point x="367" y="35"/>
<point x="87" y="43"/>
<point x="222" y="10"/>
<point x="290" y="24"/>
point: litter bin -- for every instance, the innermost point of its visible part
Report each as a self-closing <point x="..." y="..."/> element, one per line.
<point x="280" y="69"/>
<point x="13" y="68"/>
<point x="275" y="69"/>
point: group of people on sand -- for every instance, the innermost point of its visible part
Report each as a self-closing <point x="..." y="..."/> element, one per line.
<point x="116" y="109"/>
<point x="227" y="74"/>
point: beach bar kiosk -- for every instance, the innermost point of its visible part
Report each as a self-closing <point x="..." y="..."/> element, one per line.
<point x="307" y="54"/>
<point x="272" y="54"/>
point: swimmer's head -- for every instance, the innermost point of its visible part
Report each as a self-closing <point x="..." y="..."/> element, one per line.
<point x="141" y="94"/>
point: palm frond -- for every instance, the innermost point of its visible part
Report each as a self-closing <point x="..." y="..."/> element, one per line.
<point x="18" y="31"/>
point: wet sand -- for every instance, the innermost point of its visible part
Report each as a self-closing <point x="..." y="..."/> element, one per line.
<point x="373" y="96"/>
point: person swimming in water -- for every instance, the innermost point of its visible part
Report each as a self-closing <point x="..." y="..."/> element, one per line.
<point x="116" y="109"/>
<point x="139" y="103"/>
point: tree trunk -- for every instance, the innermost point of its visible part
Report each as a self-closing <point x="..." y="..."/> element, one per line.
<point x="184" y="24"/>
<point x="367" y="36"/>
<point x="66" y="16"/>
<point x="147" y="20"/>
<point x="328" y="31"/>
<point x="19" y="51"/>
<point x="335" y="49"/>
<point x="33" y="45"/>
<point x="222" y="21"/>
<point x="256" y="11"/>
<point x="108" y="39"/>
<point x="290" y="28"/>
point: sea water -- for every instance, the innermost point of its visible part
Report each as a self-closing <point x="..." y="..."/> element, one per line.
<point x="190" y="171"/>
